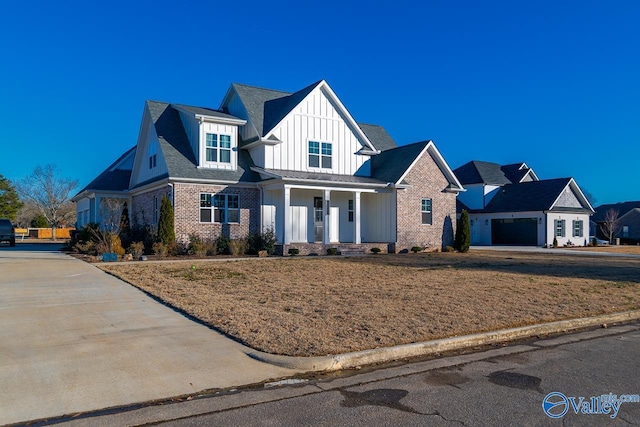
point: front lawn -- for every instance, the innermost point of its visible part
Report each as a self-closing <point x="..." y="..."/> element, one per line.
<point x="327" y="305"/>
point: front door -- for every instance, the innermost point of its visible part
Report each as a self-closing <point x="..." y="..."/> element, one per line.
<point x="318" y="220"/>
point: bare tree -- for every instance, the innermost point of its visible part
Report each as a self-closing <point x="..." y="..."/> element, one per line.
<point x="49" y="193"/>
<point x="611" y="225"/>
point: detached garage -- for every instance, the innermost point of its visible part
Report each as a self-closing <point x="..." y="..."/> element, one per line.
<point x="514" y="231"/>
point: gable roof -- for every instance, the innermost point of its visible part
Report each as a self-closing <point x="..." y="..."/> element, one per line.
<point x="254" y="99"/>
<point x="277" y="109"/>
<point x="113" y="178"/>
<point x="203" y="111"/>
<point x="178" y="155"/>
<point x="531" y="196"/>
<point x="622" y="208"/>
<point x="516" y="172"/>
<point x="378" y="136"/>
<point x="477" y="172"/>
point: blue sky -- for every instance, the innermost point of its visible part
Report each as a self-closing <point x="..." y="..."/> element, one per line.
<point x="555" y="84"/>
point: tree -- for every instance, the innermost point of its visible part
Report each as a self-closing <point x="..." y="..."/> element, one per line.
<point x="125" y="226"/>
<point x="166" y="231"/>
<point x="10" y="203"/>
<point x="463" y="233"/>
<point x="49" y="193"/>
<point x="39" y="221"/>
<point x="611" y="225"/>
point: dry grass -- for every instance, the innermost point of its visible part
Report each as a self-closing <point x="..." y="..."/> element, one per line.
<point x="329" y="305"/>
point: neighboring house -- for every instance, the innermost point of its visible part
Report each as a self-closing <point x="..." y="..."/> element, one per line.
<point x="628" y="221"/>
<point x="297" y="163"/>
<point x="510" y="205"/>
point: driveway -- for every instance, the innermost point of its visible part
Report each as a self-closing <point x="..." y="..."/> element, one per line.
<point x="553" y="251"/>
<point x="74" y="339"/>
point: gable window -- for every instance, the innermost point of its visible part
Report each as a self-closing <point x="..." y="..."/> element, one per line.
<point x="218" y="148"/>
<point x="577" y="228"/>
<point x="625" y="231"/>
<point x="320" y="154"/>
<point x="153" y="156"/>
<point x="427" y="217"/>
<point x="558" y="225"/>
<point x="219" y="208"/>
<point x="350" y="210"/>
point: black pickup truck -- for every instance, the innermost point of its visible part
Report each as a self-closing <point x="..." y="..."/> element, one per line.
<point x="7" y="232"/>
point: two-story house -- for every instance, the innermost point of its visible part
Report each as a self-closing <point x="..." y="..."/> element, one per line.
<point x="294" y="162"/>
<point x="510" y="205"/>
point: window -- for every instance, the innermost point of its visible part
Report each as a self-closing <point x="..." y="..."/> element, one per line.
<point x="220" y="208"/>
<point x="577" y="228"/>
<point x="153" y="158"/>
<point x="427" y="217"/>
<point x="559" y="227"/>
<point x="625" y="231"/>
<point x="218" y="148"/>
<point x="320" y="154"/>
<point x="350" y="210"/>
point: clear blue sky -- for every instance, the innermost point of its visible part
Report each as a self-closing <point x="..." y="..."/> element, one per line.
<point x="555" y="84"/>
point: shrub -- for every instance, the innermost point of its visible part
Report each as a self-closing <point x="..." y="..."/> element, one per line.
<point x="222" y="245"/>
<point x="166" y="231"/>
<point x="238" y="247"/>
<point x="294" y="251"/>
<point x="160" y="249"/>
<point x="332" y="251"/>
<point x="449" y="249"/>
<point x="265" y="241"/>
<point x="416" y="249"/>
<point x="376" y="250"/>
<point x="594" y="241"/>
<point x="197" y="246"/>
<point x="463" y="233"/>
<point x="555" y="242"/>
<point x="136" y="249"/>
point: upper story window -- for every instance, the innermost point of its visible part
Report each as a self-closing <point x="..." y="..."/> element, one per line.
<point x="320" y="154"/>
<point x="220" y="208"/>
<point x="218" y="148"/>
<point x="427" y="214"/>
<point x="153" y="156"/>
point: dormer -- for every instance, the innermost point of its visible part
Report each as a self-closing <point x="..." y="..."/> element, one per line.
<point x="213" y="136"/>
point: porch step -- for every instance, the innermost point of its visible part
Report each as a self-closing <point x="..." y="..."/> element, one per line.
<point x="352" y="251"/>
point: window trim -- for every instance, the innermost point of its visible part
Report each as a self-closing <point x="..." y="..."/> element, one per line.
<point x="350" y="210"/>
<point x="578" y="228"/>
<point x="428" y="211"/>
<point x="217" y="147"/>
<point x="223" y="210"/>
<point x="559" y="228"/>
<point x="321" y="148"/>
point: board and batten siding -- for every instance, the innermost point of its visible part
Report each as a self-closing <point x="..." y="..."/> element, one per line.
<point x="219" y="129"/>
<point x="314" y="119"/>
<point x="142" y="172"/>
<point x="378" y="217"/>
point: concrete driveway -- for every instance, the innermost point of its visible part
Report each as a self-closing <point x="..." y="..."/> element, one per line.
<point x="74" y="339"/>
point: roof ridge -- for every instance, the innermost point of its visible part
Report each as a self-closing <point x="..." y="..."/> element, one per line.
<point x="262" y="88"/>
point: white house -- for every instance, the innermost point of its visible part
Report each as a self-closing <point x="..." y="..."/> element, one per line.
<point x="295" y="162"/>
<point x="510" y="205"/>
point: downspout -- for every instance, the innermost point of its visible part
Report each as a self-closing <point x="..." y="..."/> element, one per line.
<point x="261" y="207"/>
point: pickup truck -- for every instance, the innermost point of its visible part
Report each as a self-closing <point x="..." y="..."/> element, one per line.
<point x="7" y="232"/>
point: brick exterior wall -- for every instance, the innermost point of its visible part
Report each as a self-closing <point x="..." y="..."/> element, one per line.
<point x="187" y="212"/>
<point x="426" y="180"/>
<point x="142" y="209"/>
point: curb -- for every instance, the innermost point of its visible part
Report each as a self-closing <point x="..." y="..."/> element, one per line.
<point x="388" y="354"/>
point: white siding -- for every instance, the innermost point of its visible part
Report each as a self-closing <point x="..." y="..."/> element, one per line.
<point x="270" y="201"/>
<point x="236" y="108"/>
<point x="219" y="129"/>
<point x="192" y="128"/>
<point x="568" y="237"/>
<point x="299" y="224"/>
<point x="378" y="218"/>
<point x="315" y="119"/>
<point x="82" y="209"/>
<point x="141" y="171"/>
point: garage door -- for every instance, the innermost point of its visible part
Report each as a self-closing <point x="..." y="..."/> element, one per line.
<point x="514" y="231"/>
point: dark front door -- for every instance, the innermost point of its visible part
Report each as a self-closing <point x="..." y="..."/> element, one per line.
<point x="318" y="220"/>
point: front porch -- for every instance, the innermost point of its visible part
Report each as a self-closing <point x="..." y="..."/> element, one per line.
<point x="313" y="219"/>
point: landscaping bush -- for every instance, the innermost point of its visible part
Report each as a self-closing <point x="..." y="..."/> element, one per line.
<point x="222" y="245"/>
<point x="160" y="249"/>
<point x="332" y="251"/>
<point x="197" y="246"/>
<point x="136" y="249"/>
<point x="294" y="251"/>
<point x="449" y="249"/>
<point x="463" y="233"/>
<point x="416" y="249"/>
<point x="594" y="241"/>
<point x="265" y="241"/>
<point x="166" y="231"/>
<point x="555" y="242"/>
<point x="376" y="250"/>
<point x="238" y="247"/>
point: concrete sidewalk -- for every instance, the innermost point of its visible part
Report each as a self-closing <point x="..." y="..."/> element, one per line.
<point x="74" y="339"/>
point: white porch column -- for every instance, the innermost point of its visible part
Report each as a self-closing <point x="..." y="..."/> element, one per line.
<point x="327" y="219"/>
<point x="287" y="215"/>
<point x="356" y="218"/>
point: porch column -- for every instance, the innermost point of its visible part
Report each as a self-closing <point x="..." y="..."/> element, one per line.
<point x="327" y="219"/>
<point x="356" y="218"/>
<point x="286" y="215"/>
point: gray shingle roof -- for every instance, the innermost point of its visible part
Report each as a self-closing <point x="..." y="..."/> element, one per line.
<point x="112" y="180"/>
<point x="390" y="165"/>
<point x="203" y="111"/>
<point x="254" y="99"/>
<point x="514" y="172"/>
<point x="527" y="196"/>
<point x="314" y="176"/>
<point x="276" y="109"/>
<point x="177" y="152"/>
<point x="378" y="136"/>
<point x="622" y="208"/>
<point x="477" y="172"/>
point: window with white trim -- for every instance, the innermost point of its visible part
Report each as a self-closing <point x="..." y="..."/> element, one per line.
<point x="577" y="228"/>
<point x="218" y="148"/>
<point x="427" y="216"/>
<point x="219" y="208"/>
<point x="559" y="225"/>
<point x="320" y="154"/>
<point x="153" y="156"/>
